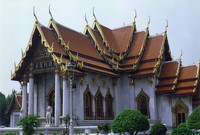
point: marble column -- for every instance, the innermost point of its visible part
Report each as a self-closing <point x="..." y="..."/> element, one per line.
<point x="31" y="95"/>
<point x="57" y="97"/>
<point x="24" y="97"/>
<point x="65" y="96"/>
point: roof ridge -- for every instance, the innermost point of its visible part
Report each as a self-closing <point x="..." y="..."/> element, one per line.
<point x="71" y="29"/>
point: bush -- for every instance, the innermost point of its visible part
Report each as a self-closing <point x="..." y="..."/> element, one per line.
<point x="104" y="128"/>
<point x="9" y="133"/>
<point x="182" y="125"/>
<point x="28" y="123"/>
<point x="130" y="121"/>
<point x="158" y="129"/>
<point x="194" y="119"/>
<point x="182" y="131"/>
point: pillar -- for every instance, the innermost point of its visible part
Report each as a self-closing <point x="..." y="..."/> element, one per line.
<point x="24" y="97"/>
<point x="57" y="97"/>
<point x="31" y="95"/>
<point x="65" y="96"/>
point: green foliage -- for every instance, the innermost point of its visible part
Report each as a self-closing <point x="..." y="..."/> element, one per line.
<point x="2" y="108"/>
<point x="66" y="119"/>
<point x="4" y="104"/>
<point x="104" y="128"/>
<point x="183" y="125"/>
<point x="158" y="129"/>
<point x="9" y="133"/>
<point x="28" y="123"/>
<point x="130" y="121"/>
<point x="194" y="119"/>
<point x="182" y="131"/>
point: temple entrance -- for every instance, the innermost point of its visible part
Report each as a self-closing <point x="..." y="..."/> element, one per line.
<point x="51" y="101"/>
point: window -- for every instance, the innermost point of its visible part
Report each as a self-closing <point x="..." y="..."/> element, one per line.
<point x="88" y="114"/>
<point x="99" y="114"/>
<point x="181" y="113"/>
<point x="143" y="103"/>
<point x="109" y="106"/>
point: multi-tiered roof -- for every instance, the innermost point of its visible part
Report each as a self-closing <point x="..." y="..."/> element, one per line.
<point x="110" y="52"/>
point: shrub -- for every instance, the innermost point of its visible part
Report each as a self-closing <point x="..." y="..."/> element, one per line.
<point x="104" y="128"/>
<point x="158" y="129"/>
<point x="182" y="125"/>
<point x="130" y="121"/>
<point x="28" y="123"/>
<point x="194" y="119"/>
<point x="9" y="133"/>
<point x="182" y="131"/>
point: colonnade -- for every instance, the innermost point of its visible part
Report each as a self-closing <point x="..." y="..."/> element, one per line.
<point x="30" y="99"/>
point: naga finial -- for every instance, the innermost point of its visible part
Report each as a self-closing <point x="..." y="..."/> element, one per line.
<point x="135" y="16"/>
<point x="95" y="19"/>
<point x="36" y="20"/>
<point x="181" y="55"/>
<point x="50" y="12"/>
<point x="86" y="20"/>
<point x="148" y="23"/>
<point x="166" y="26"/>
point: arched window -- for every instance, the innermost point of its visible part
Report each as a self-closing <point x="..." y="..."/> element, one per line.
<point x="109" y="106"/>
<point x="99" y="114"/>
<point x="180" y="112"/>
<point x="88" y="114"/>
<point x="143" y="103"/>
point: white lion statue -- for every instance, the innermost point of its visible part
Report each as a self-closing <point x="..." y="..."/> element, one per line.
<point x="49" y="118"/>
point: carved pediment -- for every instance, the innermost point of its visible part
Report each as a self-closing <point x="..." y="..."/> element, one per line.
<point x="40" y="51"/>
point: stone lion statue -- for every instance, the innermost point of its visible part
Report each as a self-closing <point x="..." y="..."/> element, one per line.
<point x="49" y="118"/>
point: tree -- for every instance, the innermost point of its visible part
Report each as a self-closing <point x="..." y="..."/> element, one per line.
<point x="194" y="119"/>
<point x="130" y="121"/>
<point x="158" y="129"/>
<point x="2" y="108"/>
<point x="182" y="131"/>
<point x="28" y="124"/>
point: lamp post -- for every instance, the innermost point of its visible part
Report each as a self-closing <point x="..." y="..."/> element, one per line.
<point x="70" y="69"/>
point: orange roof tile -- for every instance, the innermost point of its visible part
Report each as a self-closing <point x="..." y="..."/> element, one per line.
<point x="100" y="42"/>
<point x="188" y="72"/>
<point x="166" y="82"/>
<point x="122" y="37"/>
<point x="110" y="38"/>
<point x="78" y="42"/>
<point x="169" y="69"/>
<point x="153" y="47"/>
<point x="137" y="43"/>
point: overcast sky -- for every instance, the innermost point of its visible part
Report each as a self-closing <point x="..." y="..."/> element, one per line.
<point x="17" y="21"/>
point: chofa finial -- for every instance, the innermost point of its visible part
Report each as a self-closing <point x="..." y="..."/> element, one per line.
<point x="95" y="19"/>
<point x="36" y="20"/>
<point x="86" y="20"/>
<point x="50" y="11"/>
<point x="148" y="23"/>
<point x="166" y="26"/>
<point x="135" y="16"/>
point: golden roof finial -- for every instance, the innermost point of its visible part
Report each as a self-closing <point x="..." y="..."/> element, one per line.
<point x="50" y="12"/>
<point x="166" y="26"/>
<point x="22" y="53"/>
<point x="95" y="19"/>
<point x="135" y="17"/>
<point x="148" y="23"/>
<point x="181" y="55"/>
<point x="86" y="20"/>
<point x="36" y="20"/>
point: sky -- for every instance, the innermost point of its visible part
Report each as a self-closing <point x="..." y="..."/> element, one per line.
<point x="17" y="21"/>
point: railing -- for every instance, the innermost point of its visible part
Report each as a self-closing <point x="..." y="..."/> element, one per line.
<point x="52" y="130"/>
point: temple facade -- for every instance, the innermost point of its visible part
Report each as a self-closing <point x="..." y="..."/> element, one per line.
<point x="116" y="69"/>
